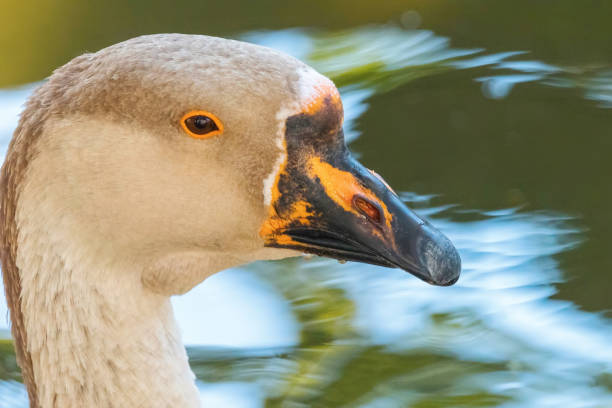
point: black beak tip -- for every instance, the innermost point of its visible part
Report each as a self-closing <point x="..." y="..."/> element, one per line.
<point x="438" y="256"/>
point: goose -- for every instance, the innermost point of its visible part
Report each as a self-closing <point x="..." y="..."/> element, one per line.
<point x="138" y="171"/>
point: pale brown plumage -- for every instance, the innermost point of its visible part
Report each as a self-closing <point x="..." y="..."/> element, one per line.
<point x="129" y="83"/>
<point x="109" y="207"/>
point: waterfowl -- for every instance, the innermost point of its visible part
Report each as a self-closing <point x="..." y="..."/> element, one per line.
<point x="137" y="171"/>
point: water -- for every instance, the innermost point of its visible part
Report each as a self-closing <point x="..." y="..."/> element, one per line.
<point x="495" y="122"/>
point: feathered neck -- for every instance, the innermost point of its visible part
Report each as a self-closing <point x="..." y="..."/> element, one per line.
<point x="86" y="331"/>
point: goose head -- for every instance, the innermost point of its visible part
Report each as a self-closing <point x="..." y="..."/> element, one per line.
<point x="191" y="154"/>
<point x="139" y="170"/>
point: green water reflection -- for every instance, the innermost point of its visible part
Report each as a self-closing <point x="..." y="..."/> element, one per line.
<point x="497" y="115"/>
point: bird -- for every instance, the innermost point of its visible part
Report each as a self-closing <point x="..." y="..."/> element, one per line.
<point x="137" y="171"/>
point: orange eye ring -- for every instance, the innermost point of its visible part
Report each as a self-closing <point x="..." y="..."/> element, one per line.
<point x="201" y="124"/>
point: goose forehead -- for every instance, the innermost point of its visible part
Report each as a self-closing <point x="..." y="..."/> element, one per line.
<point x="235" y="68"/>
<point x="174" y="72"/>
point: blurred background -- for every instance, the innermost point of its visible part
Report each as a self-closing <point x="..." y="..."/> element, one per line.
<point x="493" y="120"/>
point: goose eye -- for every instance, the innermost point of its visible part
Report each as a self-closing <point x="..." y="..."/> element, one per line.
<point x="201" y="124"/>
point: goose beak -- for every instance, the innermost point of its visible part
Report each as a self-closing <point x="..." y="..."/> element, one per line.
<point x="333" y="206"/>
<point x="326" y="203"/>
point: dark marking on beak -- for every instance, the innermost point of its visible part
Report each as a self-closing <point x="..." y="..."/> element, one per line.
<point x="326" y="203"/>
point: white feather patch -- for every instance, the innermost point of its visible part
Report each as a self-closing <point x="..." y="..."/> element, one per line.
<point x="268" y="183"/>
<point x="313" y="86"/>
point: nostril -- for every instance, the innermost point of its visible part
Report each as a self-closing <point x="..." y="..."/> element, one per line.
<point x="368" y="208"/>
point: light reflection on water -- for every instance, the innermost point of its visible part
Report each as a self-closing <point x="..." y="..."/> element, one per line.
<point x="318" y="333"/>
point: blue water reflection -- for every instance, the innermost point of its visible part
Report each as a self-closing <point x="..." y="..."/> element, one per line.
<point x="496" y="333"/>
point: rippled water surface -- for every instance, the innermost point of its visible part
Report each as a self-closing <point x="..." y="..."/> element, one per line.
<point x="493" y="119"/>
